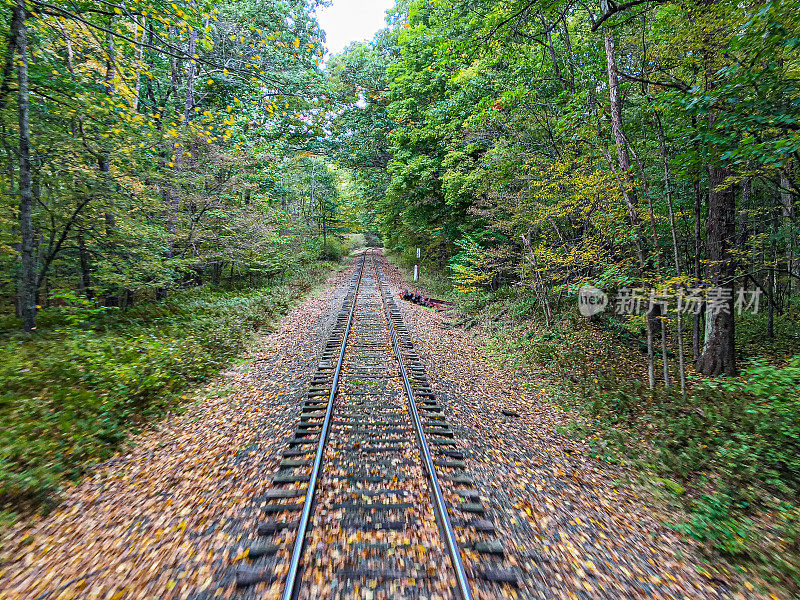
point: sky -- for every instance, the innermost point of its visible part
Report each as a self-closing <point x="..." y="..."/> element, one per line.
<point x="347" y="21"/>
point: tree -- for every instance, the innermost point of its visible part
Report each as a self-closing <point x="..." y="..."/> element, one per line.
<point x="499" y="138"/>
<point x="27" y="285"/>
<point x="140" y="125"/>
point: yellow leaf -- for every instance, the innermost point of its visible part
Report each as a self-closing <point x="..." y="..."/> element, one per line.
<point x="242" y="555"/>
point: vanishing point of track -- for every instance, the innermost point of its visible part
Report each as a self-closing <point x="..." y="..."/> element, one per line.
<point x="372" y="499"/>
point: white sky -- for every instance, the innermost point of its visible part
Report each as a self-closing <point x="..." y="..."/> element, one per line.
<point x="347" y="21"/>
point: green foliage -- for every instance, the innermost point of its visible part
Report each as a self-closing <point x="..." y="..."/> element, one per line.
<point x="744" y="429"/>
<point x="727" y="451"/>
<point x="158" y="132"/>
<point x="358" y="80"/>
<point x="372" y="239"/>
<point x="470" y="266"/>
<point x="336" y="249"/>
<point x="503" y="156"/>
<point x="74" y="310"/>
<point x="733" y="444"/>
<point x="69" y="396"/>
<point x="430" y="278"/>
<point x="712" y="523"/>
<point x="763" y="426"/>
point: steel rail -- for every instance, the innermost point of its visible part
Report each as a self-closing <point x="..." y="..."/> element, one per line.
<point x="443" y="519"/>
<point x="292" y="580"/>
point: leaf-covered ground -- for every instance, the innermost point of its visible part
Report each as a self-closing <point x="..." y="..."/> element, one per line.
<point x="172" y="516"/>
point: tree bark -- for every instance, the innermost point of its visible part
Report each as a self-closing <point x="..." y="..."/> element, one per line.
<point x="616" y="106"/>
<point x="788" y="212"/>
<point x="27" y="285"/>
<point x="662" y="146"/>
<point x="139" y="58"/>
<point x="698" y="274"/>
<point x="624" y="178"/>
<point x="719" y="351"/>
<point x="570" y="60"/>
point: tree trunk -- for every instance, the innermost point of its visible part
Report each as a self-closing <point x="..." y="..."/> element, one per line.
<point x="27" y="285"/>
<point x="84" y="285"/>
<point x="553" y="57"/>
<point x="662" y="145"/>
<point x="570" y="60"/>
<point x="651" y="362"/>
<point x="624" y="177"/>
<point x="771" y="309"/>
<point x="137" y="85"/>
<point x="698" y="274"/>
<point x="616" y="108"/>
<point x="719" y="351"/>
<point x="324" y="233"/>
<point x="788" y="211"/>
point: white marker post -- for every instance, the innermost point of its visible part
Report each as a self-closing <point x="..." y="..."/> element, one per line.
<point x="416" y="267"/>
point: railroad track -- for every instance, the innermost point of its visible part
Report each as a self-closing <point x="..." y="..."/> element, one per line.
<point x="372" y="499"/>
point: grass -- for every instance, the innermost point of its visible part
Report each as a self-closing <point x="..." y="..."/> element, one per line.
<point x="71" y="394"/>
<point x="725" y="458"/>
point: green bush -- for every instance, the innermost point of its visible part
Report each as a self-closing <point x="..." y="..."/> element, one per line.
<point x="69" y="395"/>
<point x="714" y="523"/>
<point x="372" y="239"/>
<point x="745" y="429"/>
<point x="335" y="249"/>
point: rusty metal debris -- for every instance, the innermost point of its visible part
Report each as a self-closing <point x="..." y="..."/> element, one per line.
<point x="427" y="301"/>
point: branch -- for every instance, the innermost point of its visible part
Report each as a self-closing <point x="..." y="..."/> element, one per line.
<point x="614" y="9"/>
<point x="53" y="251"/>
<point x="511" y="18"/>
<point x="678" y="85"/>
<point x="168" y="50"/>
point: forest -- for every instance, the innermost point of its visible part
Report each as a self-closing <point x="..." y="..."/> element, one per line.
<point x="175" y="174"/>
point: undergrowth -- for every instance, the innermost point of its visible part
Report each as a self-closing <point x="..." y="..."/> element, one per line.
<point x="727" y="454"/>
<point x="70" y="394"/>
